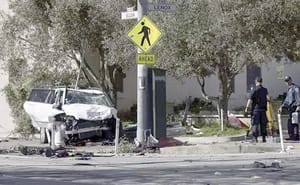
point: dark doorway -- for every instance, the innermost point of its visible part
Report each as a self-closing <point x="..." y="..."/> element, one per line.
<point x="253" y="71"/>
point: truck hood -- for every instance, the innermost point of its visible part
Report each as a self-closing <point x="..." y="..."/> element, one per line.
<point x="89" y="112"/>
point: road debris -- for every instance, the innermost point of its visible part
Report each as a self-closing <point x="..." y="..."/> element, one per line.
<point x="258" y="164"/>
<point x="83" y="155"/>
<point x="218" y="173"/>
<point x="3" y="140"/>
<point x="27" y="150"/>
<point x="276" y="164"/>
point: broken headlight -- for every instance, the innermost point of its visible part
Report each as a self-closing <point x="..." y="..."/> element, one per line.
<point x="70" y="122"/>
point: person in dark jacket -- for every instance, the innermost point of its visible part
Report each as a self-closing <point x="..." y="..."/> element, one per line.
<point x="258" y="102"/>
<point x="292" y="104"/>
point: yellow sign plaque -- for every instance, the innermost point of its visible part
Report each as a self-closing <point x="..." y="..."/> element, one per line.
<point x="144" y="34"/>
<point x="142" y="58"/>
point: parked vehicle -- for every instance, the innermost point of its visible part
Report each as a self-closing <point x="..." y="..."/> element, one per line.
<point x="86" y="113"/>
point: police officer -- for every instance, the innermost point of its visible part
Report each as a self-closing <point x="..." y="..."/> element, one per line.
<point x="292" y="104"/>
<point x="258" y="102"/>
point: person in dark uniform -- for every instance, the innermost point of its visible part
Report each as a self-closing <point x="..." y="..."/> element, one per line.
<point x="258" y="102"/>
<point x="292" y="104"/>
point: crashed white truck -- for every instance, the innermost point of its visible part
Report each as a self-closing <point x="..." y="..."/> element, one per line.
<point x="85" y="113"/>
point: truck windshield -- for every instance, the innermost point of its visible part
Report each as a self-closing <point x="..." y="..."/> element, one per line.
<point x="73" y="96"/>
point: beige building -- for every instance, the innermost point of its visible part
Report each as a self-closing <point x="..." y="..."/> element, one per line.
<point x="178" y="91"/>
<point x="6" y="124"/>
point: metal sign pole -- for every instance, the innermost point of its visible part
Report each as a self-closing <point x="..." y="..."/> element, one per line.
<point x="150" y="34"/>
<point x="142" y="86"/>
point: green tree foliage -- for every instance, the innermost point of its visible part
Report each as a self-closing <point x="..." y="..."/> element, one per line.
<point x="273" y="27"/>
<point x="223" y="36"/>
<point x="44" y="42"/>
<point x="21" y="78"/>
<point x="80" y="28"/>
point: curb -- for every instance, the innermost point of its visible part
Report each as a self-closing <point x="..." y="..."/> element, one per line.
<point x="207" y="140"/>
<point x="222" y="148"/>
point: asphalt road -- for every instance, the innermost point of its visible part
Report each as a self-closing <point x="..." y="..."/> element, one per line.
<point x="226" y="169"/>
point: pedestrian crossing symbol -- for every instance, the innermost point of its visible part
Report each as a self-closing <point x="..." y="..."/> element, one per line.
<point x="144" y="34"/>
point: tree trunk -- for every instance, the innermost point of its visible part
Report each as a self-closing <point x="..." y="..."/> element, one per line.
<point x="102" y="71"/>
<point x="106" y="80"/>
<point x="225" y="91"/>
<point x="223" y="102"/>
<point x="78" y="65"/>
<point x="213" y="100"/>
<point x="109" y="84"/>
<point x="201" y="82"/>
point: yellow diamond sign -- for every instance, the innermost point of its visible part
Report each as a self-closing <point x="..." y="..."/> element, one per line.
<point x="144" y="34"/>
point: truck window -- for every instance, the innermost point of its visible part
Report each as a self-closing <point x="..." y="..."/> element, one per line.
<point x="51" y="97"/>
<point x="38" y="95"/>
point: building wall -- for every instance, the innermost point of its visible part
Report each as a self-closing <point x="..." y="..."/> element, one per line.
<point x="179" y="90"/>
<point x="6" y="123"/>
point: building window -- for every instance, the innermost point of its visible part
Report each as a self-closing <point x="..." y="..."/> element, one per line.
<point x="253" y="71"/>
<point x="232" y="85"/>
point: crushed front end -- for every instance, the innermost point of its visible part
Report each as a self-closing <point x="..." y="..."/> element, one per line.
<point x="84" y="129"/>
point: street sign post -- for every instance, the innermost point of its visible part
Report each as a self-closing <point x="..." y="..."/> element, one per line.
<point x="129" y="15"/>
<point x="164" y="7"/>
<point x="144" y="34"/>
<point x="143" y="90"/>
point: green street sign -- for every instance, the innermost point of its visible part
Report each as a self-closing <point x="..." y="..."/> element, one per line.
<point x="143" y="58"/>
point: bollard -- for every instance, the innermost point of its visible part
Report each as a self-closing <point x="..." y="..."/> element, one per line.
<point x="280" y="133"/>
<point x="57" y="133"/>
<point x="117" y="136"/>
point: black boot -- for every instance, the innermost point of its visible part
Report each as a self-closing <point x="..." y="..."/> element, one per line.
<point x="264" y="139"/>
<point x="296" y="137"/>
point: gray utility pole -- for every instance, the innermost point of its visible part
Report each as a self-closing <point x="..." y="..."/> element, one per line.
<point x="143" y="109"/>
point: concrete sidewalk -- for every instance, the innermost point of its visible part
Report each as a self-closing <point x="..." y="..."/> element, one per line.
<point x="191" y="145"/>
<point x="227" y="145"/>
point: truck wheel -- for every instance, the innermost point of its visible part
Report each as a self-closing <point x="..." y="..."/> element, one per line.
<point x="43" y="136"/>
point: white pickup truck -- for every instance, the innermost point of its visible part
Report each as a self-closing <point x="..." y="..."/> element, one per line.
<point x="86" y="113"/>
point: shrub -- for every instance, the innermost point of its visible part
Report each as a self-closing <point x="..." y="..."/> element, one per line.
<point x="196" y="106"/>
<point x="16" y="96"/>
<point x="125" y="146"/>
<point x="130" y="115"/>
<point x="214" y="129"/>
